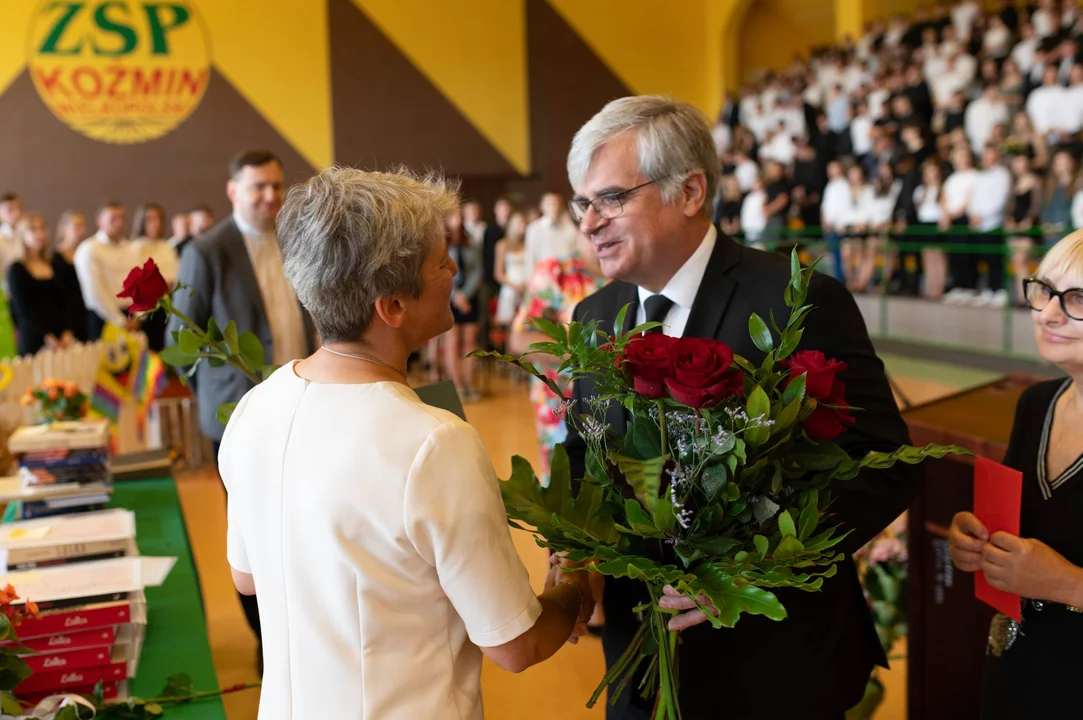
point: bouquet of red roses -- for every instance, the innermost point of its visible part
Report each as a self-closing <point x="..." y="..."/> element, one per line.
<point x="718" y="486"/>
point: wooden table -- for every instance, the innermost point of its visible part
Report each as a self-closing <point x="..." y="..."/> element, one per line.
<point x="948" y="627"/>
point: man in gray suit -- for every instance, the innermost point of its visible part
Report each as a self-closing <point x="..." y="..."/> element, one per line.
<point x="235" y="273"/>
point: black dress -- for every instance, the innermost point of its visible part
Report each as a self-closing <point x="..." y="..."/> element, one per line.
<point x="1037" y="676"/>
<point x="43" y="307"/>
<point x="73" y="294"/>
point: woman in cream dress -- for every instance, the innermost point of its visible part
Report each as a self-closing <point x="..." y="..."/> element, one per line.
<point x="369" y="524"/>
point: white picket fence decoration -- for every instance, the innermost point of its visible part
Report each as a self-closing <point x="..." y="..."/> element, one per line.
<point x="79" y="364"/>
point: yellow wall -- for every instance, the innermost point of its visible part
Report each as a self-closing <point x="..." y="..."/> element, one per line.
<point x="773" y="30"/>
<point x="474" y="51"/>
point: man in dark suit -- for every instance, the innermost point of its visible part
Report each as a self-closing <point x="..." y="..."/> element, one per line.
<point x="235" y="273"/>
<point x="643" y="171"/>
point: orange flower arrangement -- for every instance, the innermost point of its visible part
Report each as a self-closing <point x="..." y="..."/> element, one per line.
<point x="57" y="400"/>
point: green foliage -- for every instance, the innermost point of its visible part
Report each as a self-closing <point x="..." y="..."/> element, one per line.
<point x="722" y="502"/>
<point x="644" y="476"/>
<point x="731" y="597"/>
<point x="527" y="501"/>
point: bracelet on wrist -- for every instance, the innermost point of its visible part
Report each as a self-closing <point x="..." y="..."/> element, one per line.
<point x="582" y="596"/>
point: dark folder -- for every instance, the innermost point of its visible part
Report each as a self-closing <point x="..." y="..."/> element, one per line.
<point x="443" y="396"/>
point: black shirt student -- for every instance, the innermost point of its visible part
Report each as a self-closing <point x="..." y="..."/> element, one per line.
<point x="42" y="306"/>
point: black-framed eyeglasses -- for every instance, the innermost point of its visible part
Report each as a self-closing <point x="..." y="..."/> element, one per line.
<point x="607" y="205"/>
<point x="1040" y="293"/>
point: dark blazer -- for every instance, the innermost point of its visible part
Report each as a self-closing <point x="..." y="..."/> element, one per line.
<point x="814" y="664"/>
<point x="217" y="268"/>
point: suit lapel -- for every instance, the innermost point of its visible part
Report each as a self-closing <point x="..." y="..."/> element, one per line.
<point x="628" y="295"/>
<point x="715" y="290"/>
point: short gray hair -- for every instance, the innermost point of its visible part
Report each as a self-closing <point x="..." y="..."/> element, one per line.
<point x="674" y="140"/>
<point x="348" y="237"/>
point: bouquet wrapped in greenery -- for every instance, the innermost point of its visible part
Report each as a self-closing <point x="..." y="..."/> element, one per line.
<point x="718" y="487"/>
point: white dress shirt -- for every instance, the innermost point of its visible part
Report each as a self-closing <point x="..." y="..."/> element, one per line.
<point x="102" y="266"/>
<point x="545" y="239"/>
<point x="284" y="317"/>
<point x="957" y="189"/>
<point x="373" y="527"/>
<point x="861" y="135"/>
<point x="753" y="218"/>
<point x="1023" y="54"/>
<point x="681" y="288"/>
<point x="1070" y="116"/>
<point x="980" y="118"/>
<point x="989" y="198"/>
<point x="746" y="173"/>
<point x="833" y="204"/>
<point x="1043" y="107"/>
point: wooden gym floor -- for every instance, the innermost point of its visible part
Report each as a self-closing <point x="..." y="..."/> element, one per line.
<point x="558" y="688"/>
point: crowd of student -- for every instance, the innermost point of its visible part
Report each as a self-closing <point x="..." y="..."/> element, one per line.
<point x="936" y="155"/>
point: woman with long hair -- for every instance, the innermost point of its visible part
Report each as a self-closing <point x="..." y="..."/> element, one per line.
<point x="462" y="339"/>
<point x="510" y="269"/>
<point x="47" y="310"/>
<point x="1023" y="209"/>
<point x="1060" y="189"/>
<point x="925" y="215"/>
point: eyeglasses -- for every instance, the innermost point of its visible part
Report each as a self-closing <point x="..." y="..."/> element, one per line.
<point x="608" y="205"/>
<point x="1039" y="294"/>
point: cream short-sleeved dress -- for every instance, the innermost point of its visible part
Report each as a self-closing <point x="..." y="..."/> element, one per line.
<point x="373" y="526"/>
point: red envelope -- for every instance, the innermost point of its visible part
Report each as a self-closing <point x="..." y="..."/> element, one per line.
<point x="998" y="494"/>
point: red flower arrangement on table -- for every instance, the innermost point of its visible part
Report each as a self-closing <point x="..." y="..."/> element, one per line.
<point x="718" y="486"/>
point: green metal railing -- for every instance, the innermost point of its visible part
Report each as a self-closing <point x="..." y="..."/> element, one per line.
<point x="815" y="242"/>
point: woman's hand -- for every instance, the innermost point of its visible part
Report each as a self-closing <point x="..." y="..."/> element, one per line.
<point x="51" y="342"/>
<point x="67" y="339"/>
<point x="461" y="302"/>
<point x="966" y="540"/>
<point x="1030" y="568"/>
<point x="580" y="579"/>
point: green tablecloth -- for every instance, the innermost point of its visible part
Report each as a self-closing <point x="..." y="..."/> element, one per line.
<point x="176" y="639"/>
<point x="176" y="629"/>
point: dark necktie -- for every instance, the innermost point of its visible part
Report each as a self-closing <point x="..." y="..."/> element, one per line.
<point x="656" y="307"/>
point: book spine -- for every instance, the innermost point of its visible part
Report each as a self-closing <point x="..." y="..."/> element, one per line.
<point x="76" y="619"/>
<point x="69" y="660"/>
<point x="34" y="510"/>
<point x="66" y="561"/>
<point x="110" y="691"/>
<point x="74" y="678"/>
<point x="47" y="606"/>
<point x="66" y="551"/>
<point x="102" y="637"/>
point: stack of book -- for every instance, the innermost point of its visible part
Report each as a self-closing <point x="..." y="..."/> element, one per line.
<point x="87" y="578"/>
<point x="64" y="467"/>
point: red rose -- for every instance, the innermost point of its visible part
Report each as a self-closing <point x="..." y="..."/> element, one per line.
<point x="649" y="361"/>
<point x="701" y="373"/>
<point x="145" y="286"/>
<point x="819" y="372"/>
<point x="827" y="423"/>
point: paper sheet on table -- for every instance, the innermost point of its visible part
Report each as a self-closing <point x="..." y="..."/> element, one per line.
<point x="87" y="527"/>
<point x="998" y="494"/>
<point x="89" y="579"/>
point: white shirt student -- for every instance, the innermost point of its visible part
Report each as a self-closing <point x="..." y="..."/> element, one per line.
<point x="102" y="263"/>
